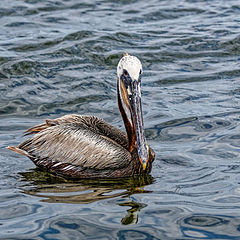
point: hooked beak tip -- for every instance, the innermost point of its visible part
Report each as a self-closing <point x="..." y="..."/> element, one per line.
<point x="144" y="164"/>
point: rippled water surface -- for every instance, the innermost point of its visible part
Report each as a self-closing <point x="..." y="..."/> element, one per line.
<point x="60" y="57"/>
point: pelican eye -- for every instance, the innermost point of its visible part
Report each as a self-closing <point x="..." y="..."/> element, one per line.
<point x="140" y="72"/>
<point x="125" y="73"/>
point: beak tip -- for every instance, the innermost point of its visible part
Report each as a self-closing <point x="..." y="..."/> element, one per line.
<point x="144" y="166"/>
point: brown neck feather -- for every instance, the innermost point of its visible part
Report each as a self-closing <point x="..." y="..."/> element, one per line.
<point x="128" y="126"/>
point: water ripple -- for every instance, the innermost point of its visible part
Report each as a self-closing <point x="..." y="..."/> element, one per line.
<point x="60" y="57"/>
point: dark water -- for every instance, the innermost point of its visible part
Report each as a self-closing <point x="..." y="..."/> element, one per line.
<point x="60" y="57"/>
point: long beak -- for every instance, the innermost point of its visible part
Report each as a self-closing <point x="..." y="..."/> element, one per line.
<point x="137" y="117"/>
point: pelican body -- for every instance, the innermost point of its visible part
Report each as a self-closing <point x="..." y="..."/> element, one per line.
<point x="79" y="146"/>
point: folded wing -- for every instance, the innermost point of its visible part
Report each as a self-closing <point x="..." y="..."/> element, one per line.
<point x="78" y="141"/>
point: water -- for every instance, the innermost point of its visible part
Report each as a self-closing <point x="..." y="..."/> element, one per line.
<point x="60" y="57"/>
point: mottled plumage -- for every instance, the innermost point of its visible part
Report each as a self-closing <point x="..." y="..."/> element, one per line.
<point x="86" y="147"/>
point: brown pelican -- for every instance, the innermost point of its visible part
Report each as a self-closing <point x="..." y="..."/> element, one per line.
<point x="79" y="146"/>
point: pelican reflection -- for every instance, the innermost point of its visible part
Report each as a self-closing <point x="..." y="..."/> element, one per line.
<point x="54" y="189"/>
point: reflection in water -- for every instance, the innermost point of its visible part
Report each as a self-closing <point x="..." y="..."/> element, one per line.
<point x="54" y="189"/>
<point x="132" y="216"/>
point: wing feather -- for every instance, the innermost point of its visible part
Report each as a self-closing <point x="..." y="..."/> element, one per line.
<point x="78" y="146"/>
<point x="92" y="123"/>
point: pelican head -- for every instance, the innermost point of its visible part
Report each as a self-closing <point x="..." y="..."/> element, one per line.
<point x="129" y="71"/>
